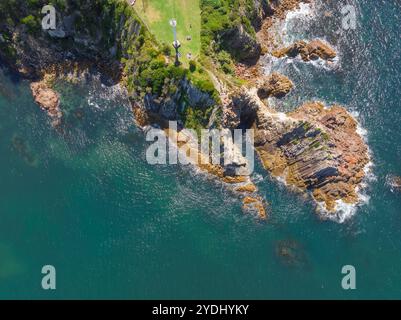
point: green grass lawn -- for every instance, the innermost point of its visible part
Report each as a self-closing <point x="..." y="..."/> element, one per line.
<point x="157" y="14"/>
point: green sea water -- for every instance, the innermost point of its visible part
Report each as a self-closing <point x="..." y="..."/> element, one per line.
<point x="84" y="199"/>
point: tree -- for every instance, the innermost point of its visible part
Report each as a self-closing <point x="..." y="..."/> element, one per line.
<point x="192" y="65"/>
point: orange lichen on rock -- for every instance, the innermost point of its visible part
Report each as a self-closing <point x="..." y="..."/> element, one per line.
<point x="256" y="205"/>
<point x="248" y="188"/>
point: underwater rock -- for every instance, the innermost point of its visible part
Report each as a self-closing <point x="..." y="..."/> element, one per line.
<point x="291" y="253"/>
<point x="20" y="146"/>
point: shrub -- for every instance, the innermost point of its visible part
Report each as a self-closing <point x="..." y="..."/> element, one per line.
<point x="31" y="23"/>
<point x="192" y="65"/>
<point x="166" y="49"/>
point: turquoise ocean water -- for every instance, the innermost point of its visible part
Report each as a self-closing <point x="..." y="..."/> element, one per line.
<point x="84" y="199"/>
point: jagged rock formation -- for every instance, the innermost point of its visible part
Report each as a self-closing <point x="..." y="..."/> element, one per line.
<point x="313" y="148"/>
<point x="167" y="106"/>
<point x="240" y="111"/>
<point x="276" y="85"/>
<point x="245" y="45"/>
<point x="239" y="38"/>
<point x="308" y="51"/>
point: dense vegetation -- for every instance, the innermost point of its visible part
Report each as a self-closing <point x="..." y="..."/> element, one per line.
<point x="147" y="67"/>
<point x="218" y="18"/>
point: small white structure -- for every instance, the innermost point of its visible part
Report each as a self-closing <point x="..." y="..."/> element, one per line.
<point x="176" y="43"/>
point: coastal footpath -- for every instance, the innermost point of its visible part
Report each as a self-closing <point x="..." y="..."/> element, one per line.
<point x="315" y="149"/>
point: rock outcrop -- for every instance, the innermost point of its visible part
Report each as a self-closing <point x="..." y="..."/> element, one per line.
<point x="160" y="109"/>
<point x="276" y="85"/>
<point x="315" y="149"/>
<point x="308" y="51"/>
<point x="47" y="99"/>
<point x="242" y="45"/>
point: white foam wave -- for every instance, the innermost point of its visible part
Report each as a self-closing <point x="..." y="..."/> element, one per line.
<point x="304" y="13"/>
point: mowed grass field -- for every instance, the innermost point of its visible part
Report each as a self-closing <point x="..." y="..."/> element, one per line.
<point x="157" y="14"/>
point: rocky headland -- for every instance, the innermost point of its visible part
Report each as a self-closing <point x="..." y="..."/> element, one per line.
<point x="315" y="149"/>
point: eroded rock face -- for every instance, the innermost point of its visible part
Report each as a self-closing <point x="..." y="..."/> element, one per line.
<point x="239" y="110"/>
<point x="276" y="85"/>
<point x="242" y="45"/>
<point x="308" y="51"/>
<point x="314" y="149"/>
<point x="47" y="99"/>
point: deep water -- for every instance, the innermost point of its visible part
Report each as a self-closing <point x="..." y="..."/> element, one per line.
<point x="84" y="199"/>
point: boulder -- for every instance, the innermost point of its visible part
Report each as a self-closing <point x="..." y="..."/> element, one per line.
<point x="308" y="51"/>
<point x="275" y="85"/>
<point x="47" y="99"/>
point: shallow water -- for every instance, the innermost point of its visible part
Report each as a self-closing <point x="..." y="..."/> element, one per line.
<point x="85" y="200"/>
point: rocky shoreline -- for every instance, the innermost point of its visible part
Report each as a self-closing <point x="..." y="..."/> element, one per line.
<point x="315" y="149"/>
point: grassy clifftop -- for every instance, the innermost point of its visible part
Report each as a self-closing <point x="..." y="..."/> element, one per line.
<point x="157" y="14"/>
